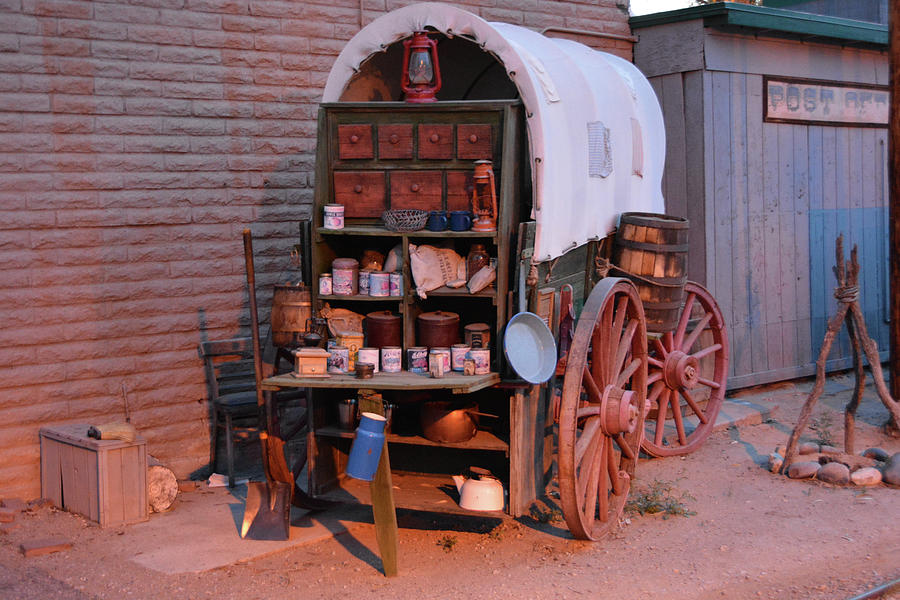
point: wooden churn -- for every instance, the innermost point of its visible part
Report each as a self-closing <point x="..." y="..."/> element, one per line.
<point x="291" y="308"/>
<point x="651" y="250"/>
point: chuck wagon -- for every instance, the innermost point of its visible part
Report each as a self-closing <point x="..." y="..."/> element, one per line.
<point x="575" y="138"/>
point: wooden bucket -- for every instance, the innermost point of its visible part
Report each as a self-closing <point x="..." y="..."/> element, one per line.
<point x="651" y="250"/>
<point x="291" y="307"/>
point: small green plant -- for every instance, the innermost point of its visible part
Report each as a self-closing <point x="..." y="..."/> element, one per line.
<point x="822" y="426"/>
<point x="660" y="497"/>
<point x="546" y="515"/>
<point x="447" y="542"/>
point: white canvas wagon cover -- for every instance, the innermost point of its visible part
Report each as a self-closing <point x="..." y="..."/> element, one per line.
<point x="595" y="129"/>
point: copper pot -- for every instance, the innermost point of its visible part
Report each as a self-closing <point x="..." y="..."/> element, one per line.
<point x="448" y="422"/>
<point x="383" y="328"/>
<point x="437" y="329"/>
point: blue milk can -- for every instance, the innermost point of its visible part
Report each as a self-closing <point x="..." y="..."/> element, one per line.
<point x="366" y="449"/>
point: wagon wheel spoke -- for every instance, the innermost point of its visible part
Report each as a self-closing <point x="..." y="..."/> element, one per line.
<point x="606" y="367"/>
<point x="655" y="391"/>
<point x="655" y="362"/>
<point x="693" y="374"/>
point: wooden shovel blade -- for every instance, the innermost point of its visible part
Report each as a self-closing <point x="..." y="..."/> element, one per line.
<point x="267" y="514"/>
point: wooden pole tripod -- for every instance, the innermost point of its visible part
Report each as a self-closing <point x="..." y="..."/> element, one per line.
<point x="847" y="294"/>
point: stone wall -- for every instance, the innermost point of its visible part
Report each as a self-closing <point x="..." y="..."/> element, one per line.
<point x="137" y="140"/>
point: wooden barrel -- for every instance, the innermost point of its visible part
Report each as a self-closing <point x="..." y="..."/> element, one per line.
<point x="651" y="250"/>
<point x="291" y="307"/>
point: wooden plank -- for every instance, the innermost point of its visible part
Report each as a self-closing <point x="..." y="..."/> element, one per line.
<point x="741" y="348"/>
<point x="460" y="384"/>
<point x="670" y="48"/>
<point x="50" y="471"/>
<point x="786" y="247"/>
<point x="801" y="245"/>
<point x="383" y="511"/>
<point x="526" y="449"/>
<point x="772" y="302"/>
<point x="756" y="227"/>
<point x="817" y="267"/>
<point x="695" y="161"/>
<point x="723" y="216"/>
<point x="675" y="185"/>
<point x="43" y="546"/>
<point x="709" y="181"/>
<point x="112" y="510"/>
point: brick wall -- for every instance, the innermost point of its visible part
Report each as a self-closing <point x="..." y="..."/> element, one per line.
<point x="137" y="140"/>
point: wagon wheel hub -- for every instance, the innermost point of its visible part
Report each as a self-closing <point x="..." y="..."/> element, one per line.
<point x="618" y="411"/>
<point x="681" y="370"/>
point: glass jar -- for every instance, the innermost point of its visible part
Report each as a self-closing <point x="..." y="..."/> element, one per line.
<point x="477" y="259"/>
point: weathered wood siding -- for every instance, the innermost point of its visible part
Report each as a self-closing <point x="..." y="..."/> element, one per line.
<point x="766" y="202"/>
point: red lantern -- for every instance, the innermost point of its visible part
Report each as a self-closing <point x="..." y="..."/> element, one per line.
<point x="484" y="197"/>
<point x="421" y="75"/>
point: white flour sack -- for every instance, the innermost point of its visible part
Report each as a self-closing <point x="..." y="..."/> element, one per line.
<point x="436" y="267"/>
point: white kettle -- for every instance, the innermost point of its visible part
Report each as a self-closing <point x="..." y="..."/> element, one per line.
<point x="482" y="491"/>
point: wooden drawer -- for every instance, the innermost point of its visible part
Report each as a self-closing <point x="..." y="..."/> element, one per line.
<point x="395" y="141"/>
<point x="416" y="189"/>
<point x="474" y="141"/>
<point x="459" y="190"/>
<point x="355" y="141"/>
<point x="361" y="193"/>
<point x="436" y="141"/>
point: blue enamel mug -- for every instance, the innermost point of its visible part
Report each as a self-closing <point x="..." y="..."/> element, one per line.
<point x="367" y="445"/>
<point x="460" y="220"/>
<point x="437" y="220"/>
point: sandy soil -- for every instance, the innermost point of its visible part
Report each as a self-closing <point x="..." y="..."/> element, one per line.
<point x="753" y="535"/>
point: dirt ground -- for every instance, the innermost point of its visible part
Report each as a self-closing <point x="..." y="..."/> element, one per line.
<point x="747" y="534"/>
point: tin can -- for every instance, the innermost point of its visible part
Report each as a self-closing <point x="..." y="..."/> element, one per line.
<point x="482" y="358"/>
<point x="396" y="284"/>
<point x="458" y="356"/>
<point x="390" y="359"/>
<point x="379" y="283"/>
<point x="339" y="360"/>
<point x="444" y="353"/>
<point x="417" y="359"/>
<point x="345" y="276"/>
<point x="368" y="355"/>
<point x="325" y="287"/>
<point x="334" y="216"/>
<point x="364" y="283"/>
<point x="353" y="342"/>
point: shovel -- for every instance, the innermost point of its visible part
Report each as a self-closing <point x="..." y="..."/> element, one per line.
<point x="267" y="514"/>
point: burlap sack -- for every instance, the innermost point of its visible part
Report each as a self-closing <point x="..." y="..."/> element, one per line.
<point x="436" y="267"/>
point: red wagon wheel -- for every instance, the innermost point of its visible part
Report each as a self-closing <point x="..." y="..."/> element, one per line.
<point x="688" y="371"/>
<point x="602" y="408"/>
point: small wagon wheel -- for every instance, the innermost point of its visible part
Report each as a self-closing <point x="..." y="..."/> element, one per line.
<point x="602" y="408"/>
<point x="688" y="364"/>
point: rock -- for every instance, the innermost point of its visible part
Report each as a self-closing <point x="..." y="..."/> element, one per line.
<point x="44" y="546"/>
<point x="829" y="450"/>
<point x="775" y="462"/>
<point x="802" y="470"/>
<point x="890" y="473"/>
<point x="876" y="454"/>
<point x="866" y="476"/>
<point x="39" y="503"/>
<point x="808" y="448"/>
<point x="834" y="472"/>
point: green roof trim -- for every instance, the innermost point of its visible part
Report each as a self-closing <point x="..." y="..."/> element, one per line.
<point x="773" y="19"/>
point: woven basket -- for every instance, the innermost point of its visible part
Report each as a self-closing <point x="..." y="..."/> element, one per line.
<point x="404" y="219"/>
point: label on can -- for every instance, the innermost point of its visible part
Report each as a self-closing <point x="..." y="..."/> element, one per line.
<point x="482" y="358"/>
<point x="444" y="353"/>
<point x="325" y="288"/>
<point x="396" y="284"/>
<point x="339" y="360"/>
<point x="334" y="216"/>
<point x="368" y="355"/>
<point x="342" y="283"/>
<point x="458" y="356"/>
<point x="364" y="283"/>
<point x="417" y="359"/>
<point x="391" y="359"/>
<point x="379" y="283"/>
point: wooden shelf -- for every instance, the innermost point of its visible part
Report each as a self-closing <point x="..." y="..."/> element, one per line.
<point x="483" y="440"/>
<point x="463" y="292"/>
<point x="458" y="384"/>
<point x="361" y="298"/>
<point x="379" y="231"/>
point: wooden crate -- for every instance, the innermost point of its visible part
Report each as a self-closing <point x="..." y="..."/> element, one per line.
<point x="104" y="480"/>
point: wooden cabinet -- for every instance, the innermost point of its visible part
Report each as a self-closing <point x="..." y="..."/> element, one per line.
<point x="374" y="156"/>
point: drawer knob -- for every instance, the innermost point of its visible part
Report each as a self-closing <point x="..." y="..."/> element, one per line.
<point x="357" y="188"/>
<point x="395" y="138"/>
<point x="414" y="187"/>
<point x="434" y="138"/>
<point x="354" y="138"/>
<point x="473" y="138"/>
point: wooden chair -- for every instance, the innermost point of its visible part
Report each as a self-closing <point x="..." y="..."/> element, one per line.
<point x="231" y="385"/>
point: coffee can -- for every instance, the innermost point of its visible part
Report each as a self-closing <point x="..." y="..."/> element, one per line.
<point x="417" y="359"/>
<point x="391" y="359"/>
<point x="333" y="216"/>
<point x="444" y="353"/>
<point x="458" y="356"/>
<point x="363" y="286"/>
<point x="339" y="359"/>
<point x="368" y="355"/>
<point x="482" y="358"/>
<point x="379" y="283"/>
<point x="396" y="284"/>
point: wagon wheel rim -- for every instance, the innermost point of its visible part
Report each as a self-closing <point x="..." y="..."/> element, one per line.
<point x="602" y="409"/>
<point x="687" y="377"/>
